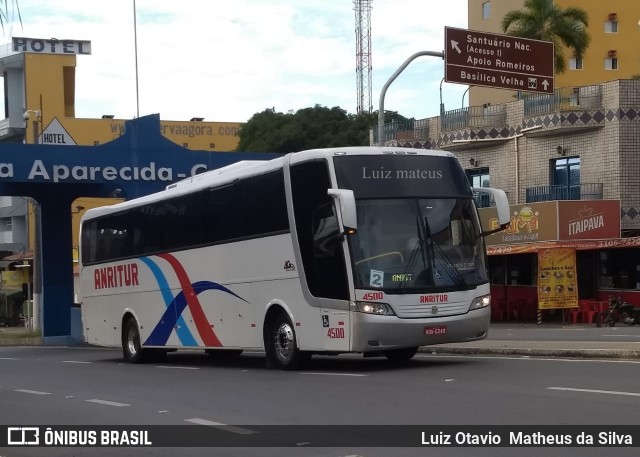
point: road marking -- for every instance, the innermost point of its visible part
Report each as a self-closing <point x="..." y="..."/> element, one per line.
<point x="8" y="358"/>
<point x="334" y="374"/>
<point x="221" y="426"/>
<point x="626" y="336"/>
<point x="167" y="367"/>
<point x="108" y="403"/>
<point x="75" y="361"/>
<point x="33" y="392"/>
<point x="596" y="391"/>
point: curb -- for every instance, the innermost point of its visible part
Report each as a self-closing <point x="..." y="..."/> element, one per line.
<point x="21" y="341"/>
<point x="536" y="352"/>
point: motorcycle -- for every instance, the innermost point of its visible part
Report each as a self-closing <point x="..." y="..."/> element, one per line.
<point x="618" y="311"/>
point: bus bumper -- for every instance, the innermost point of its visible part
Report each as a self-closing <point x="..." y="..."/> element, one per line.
<point x="375" y="333"/>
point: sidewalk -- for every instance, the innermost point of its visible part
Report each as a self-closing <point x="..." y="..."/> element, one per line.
<point x="549" y="340"/>
<point x="19" y="336"/>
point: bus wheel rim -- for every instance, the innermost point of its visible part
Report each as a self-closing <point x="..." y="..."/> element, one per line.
<point x="131" y="341"/>
<point x="284" y="342"/>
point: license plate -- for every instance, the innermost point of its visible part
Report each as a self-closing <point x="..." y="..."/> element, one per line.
<point x="435" y="330"/>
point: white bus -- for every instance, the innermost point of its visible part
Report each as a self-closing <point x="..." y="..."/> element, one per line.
<point x="361" y="249"/>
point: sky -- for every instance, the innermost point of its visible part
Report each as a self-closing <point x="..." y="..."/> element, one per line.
<point x="225" y="60"/>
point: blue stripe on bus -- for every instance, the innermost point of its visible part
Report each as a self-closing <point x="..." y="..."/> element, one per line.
<point x="162" y="331"/>
<point x="183" y="332"/>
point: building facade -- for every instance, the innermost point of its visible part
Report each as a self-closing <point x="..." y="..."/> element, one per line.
<point x="613" y="52"/>
<point x="583" y="147"/>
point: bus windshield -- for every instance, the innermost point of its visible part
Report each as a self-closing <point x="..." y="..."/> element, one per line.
<point x="418" y="228"/>
<point x="415" y="245"/>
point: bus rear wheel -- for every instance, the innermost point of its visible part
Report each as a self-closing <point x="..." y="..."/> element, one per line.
<point x="132" y="350"/>
<point x="400" y="355"/>
<point x="282" y="346"/>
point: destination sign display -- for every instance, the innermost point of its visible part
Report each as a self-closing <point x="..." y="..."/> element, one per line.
<point x="501" y="61"/>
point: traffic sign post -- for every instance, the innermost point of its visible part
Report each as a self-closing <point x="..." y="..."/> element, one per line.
<point x="500" y="61"/>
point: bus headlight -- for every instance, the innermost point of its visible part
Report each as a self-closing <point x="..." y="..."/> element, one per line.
<point x="369" y="307"/>
<point x="480" y="302"/>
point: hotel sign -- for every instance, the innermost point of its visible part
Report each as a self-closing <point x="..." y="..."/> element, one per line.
<point x="501" y="61"/>
<point x="50" y="46"/>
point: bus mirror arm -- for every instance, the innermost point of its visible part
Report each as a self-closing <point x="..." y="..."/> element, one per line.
<point x="348" y="217"/>
<point x="491" y="232"/>
<point x="501" y="204"/>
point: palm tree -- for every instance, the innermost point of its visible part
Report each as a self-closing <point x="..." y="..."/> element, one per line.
<point x="542" y="20"/>
<point x="8" y="11"/>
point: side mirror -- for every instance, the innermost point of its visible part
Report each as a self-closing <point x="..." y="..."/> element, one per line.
<point x="502" y="206"/>
<point x="346" y="203"/>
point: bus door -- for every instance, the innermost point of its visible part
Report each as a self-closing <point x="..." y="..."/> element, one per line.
<point x="322" y="255"/>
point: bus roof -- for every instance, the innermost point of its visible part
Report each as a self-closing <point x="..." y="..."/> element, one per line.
<point x="246" y="168"/>
<point x="366" y="150"/>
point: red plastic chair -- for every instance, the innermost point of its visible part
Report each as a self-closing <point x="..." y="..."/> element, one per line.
<point x="588" y="310"/>
<point x="603" y="306"/>
<point x="575" y="314"/>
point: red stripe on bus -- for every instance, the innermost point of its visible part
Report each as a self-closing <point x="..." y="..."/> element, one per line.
<point x="205" y="329"/>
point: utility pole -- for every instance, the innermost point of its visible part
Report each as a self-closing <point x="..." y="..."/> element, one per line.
<point x="363" y="55"/>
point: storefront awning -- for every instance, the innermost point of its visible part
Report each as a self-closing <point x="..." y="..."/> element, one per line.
<point x="580" y="245"/>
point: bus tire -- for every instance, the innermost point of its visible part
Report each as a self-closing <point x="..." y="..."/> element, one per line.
<point x="282" y="346"/>
<point x="400" y="355"/>
<point x="132" y="351"/>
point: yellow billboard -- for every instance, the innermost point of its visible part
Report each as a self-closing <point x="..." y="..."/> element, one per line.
<point x="194" y="135"/>
<point x="557" y="279"/>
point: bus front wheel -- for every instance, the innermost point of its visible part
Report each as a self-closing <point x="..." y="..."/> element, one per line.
<point x="282" y="346"/>
<point x="132" y="350"/>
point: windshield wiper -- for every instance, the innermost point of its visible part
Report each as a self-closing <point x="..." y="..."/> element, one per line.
<point x="450" y="269"/>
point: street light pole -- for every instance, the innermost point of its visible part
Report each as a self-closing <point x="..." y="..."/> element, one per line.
<point x="135" y="46"/>
<point x="463" y="94"/>
<point x="383" y="92"/>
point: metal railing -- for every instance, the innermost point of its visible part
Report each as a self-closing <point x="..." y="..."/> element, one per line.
<point x="586" y="191"/>
<point x="474" y="116"/>
<point x="410" y="130"/>
<point x="483" y="200"/>
<point x="563" y="99"/>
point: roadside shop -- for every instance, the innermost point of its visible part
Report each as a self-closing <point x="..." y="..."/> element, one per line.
<point x="604" y="264"/>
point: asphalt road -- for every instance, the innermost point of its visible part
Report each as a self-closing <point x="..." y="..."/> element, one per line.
<point x="84" y="386"/>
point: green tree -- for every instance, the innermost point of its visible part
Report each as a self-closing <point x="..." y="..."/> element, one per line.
<point x="542" y="20"/>
<point x="308" y="128"/>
